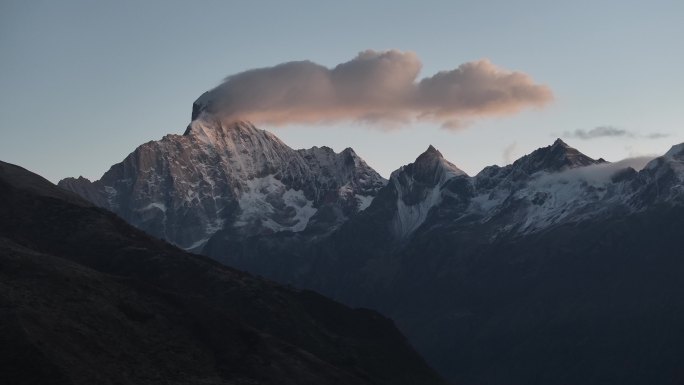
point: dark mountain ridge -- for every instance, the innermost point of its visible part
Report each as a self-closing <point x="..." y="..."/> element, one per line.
<point x="87" y="298"/>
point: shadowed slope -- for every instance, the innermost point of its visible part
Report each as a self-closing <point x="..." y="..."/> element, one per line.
<point x="87" y="298"/>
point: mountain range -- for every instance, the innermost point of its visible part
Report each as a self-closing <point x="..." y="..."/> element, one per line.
<point x="555" y="269"/>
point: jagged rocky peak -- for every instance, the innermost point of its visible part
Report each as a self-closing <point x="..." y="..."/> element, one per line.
<point x="76" y="181"/>
<point x="430" y="154"/>
<point x="198" y="126"/>
<point x="556" y="157"/>
<point x="84" y="188"/>
<point x="352" y="159"/>
<point x="213" y="130"/>
<point x="419" y="187"/>
<point x="429" y="168"/>
<point x="345" y="170"/>
<point x="350" y="156"/>
<point x="225" y="173"/>
<point x="243" y="148"/>
<point x="431" y="150"/>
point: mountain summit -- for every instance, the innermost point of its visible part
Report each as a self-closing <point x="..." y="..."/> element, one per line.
<point x="430" y="168"/>
<point x="418" y="187"/>
<point x="230" y="176"/>
<point x="556" y="157"/>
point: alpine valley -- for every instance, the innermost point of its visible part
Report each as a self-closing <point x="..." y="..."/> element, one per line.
<point x="555" y="269"/>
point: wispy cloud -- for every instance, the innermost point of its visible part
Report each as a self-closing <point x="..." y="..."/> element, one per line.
<point x="599" y="132"/>
<point x="657" y="135"/>
<point x="610" y="132"/>
<point x="380" y="88"/>
<point x="509" y="153"/>
<point x="594" y="174"/>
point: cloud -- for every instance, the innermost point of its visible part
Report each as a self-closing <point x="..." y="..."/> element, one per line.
<point x="379" y="88"/>
<point x="657" y="135"/>
<point x="611" y="132"/>
<point x="509" y="153"/>
<point x="599" y="132"/>
<point x="595" y="174"/>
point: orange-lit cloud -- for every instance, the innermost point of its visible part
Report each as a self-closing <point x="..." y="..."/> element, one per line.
<point x="380" y="88"/>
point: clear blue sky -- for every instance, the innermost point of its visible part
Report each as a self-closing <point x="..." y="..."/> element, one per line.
<point x="82" y="83"/>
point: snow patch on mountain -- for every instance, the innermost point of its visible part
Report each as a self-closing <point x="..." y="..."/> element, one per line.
<point x="484" y="204"/>
<point x="548" y="198"/>
<point x="364" y="201"/>
<point x="303" y="209"/>
<point x="409" y="217"/>
<point x="554" y="200"/>
<point x="210" y="229"/>
<point x="110" y="196"/>
<point x="419" y="188"/>
<point x="155" y="205"/>
<point x="268" y="202"/>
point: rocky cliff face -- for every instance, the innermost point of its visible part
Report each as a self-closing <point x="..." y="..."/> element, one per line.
<point x="230" y="175"/>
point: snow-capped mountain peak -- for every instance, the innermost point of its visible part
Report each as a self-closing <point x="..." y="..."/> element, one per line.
<point x="552" y="185"/>
<point x="230" y="134"/>
<point x="556" y="157"/>
<point x="419" y="187"/>
<point x="208" y="124"/>
<point x="429" y="168"/>
<point x="229" y="176"/>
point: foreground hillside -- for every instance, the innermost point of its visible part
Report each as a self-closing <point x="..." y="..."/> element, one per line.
<point x="86" y="298"/>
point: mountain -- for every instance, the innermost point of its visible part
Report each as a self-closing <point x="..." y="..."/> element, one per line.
<point x="543" y="189"/>
<point x="418" y="189"/>
<point x="86" y="298"/>
<point x="229" y="175"/>
<point x="555" y="269"/>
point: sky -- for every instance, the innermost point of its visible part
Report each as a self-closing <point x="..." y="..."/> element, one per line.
<point x="83" y="83"/>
